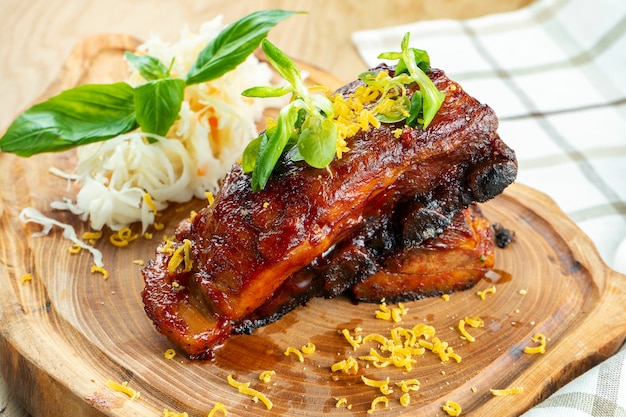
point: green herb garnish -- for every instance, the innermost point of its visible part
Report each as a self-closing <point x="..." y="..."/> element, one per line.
<point x="303" y="129"/>
<point x="97" y="112"/>
<point x="411" y="67"/>
<point x="82" y="115"/>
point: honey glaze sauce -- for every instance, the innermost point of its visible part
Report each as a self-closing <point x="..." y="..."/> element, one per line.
<point x="498" y="276"/>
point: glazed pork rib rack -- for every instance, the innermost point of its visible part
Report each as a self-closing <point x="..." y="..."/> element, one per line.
<point x="454" y="260"/>
<point x="310" y="232"/>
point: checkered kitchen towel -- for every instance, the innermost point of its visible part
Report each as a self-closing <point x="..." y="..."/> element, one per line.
<point x="555" y="73"/>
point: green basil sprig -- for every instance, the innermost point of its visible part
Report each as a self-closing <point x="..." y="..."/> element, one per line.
<point x="303" y="130"/>
<point x="97" y="112"/>
<point x="157" y="104"/>
<point x="148" y="66"/>
<point x="234" y="44"/>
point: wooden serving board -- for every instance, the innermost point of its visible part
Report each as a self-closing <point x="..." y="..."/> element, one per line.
<point x="67" y="332"/>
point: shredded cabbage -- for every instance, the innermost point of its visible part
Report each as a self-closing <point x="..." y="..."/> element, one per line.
<point x="216" y="122"/>
<point x="31" y="215"/>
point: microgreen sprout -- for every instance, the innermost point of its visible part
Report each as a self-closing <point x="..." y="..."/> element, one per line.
<point x="411" y="67"/>
<point x="303" y="129"/>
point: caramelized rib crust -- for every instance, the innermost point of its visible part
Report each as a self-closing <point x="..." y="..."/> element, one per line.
<point x="452" y="261"/>
<point x="392" y="193"/>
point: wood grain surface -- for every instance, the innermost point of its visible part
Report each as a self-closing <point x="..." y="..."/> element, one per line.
<point x="38" y="36"/>
<point x="67" y="332"/>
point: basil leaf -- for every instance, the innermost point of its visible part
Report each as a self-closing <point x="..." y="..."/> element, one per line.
<point x="318" y="141"/>
<point x="81" y="115"/>
<point x="271" y="149"/>
<point x="265" y="92"/>
<point x="233" y="45"/>
<point x="148" y="66"/>
<point x="157" y="104"/>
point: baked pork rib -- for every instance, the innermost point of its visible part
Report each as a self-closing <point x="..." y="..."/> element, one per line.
<point x="451" y="261"/>
<point x="454" y="260"/>
<point x="317" y="232"/>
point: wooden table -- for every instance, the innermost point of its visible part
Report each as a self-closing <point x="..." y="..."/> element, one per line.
<point x="37" y="36"/>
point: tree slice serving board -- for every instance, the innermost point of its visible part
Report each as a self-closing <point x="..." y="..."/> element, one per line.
<point x="67" y="332"/>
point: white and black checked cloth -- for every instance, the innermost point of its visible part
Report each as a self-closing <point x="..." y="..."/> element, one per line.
<point x="555" y="73"/>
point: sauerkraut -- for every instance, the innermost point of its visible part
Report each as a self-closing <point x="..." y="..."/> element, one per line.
<point x="215" y="124"/>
